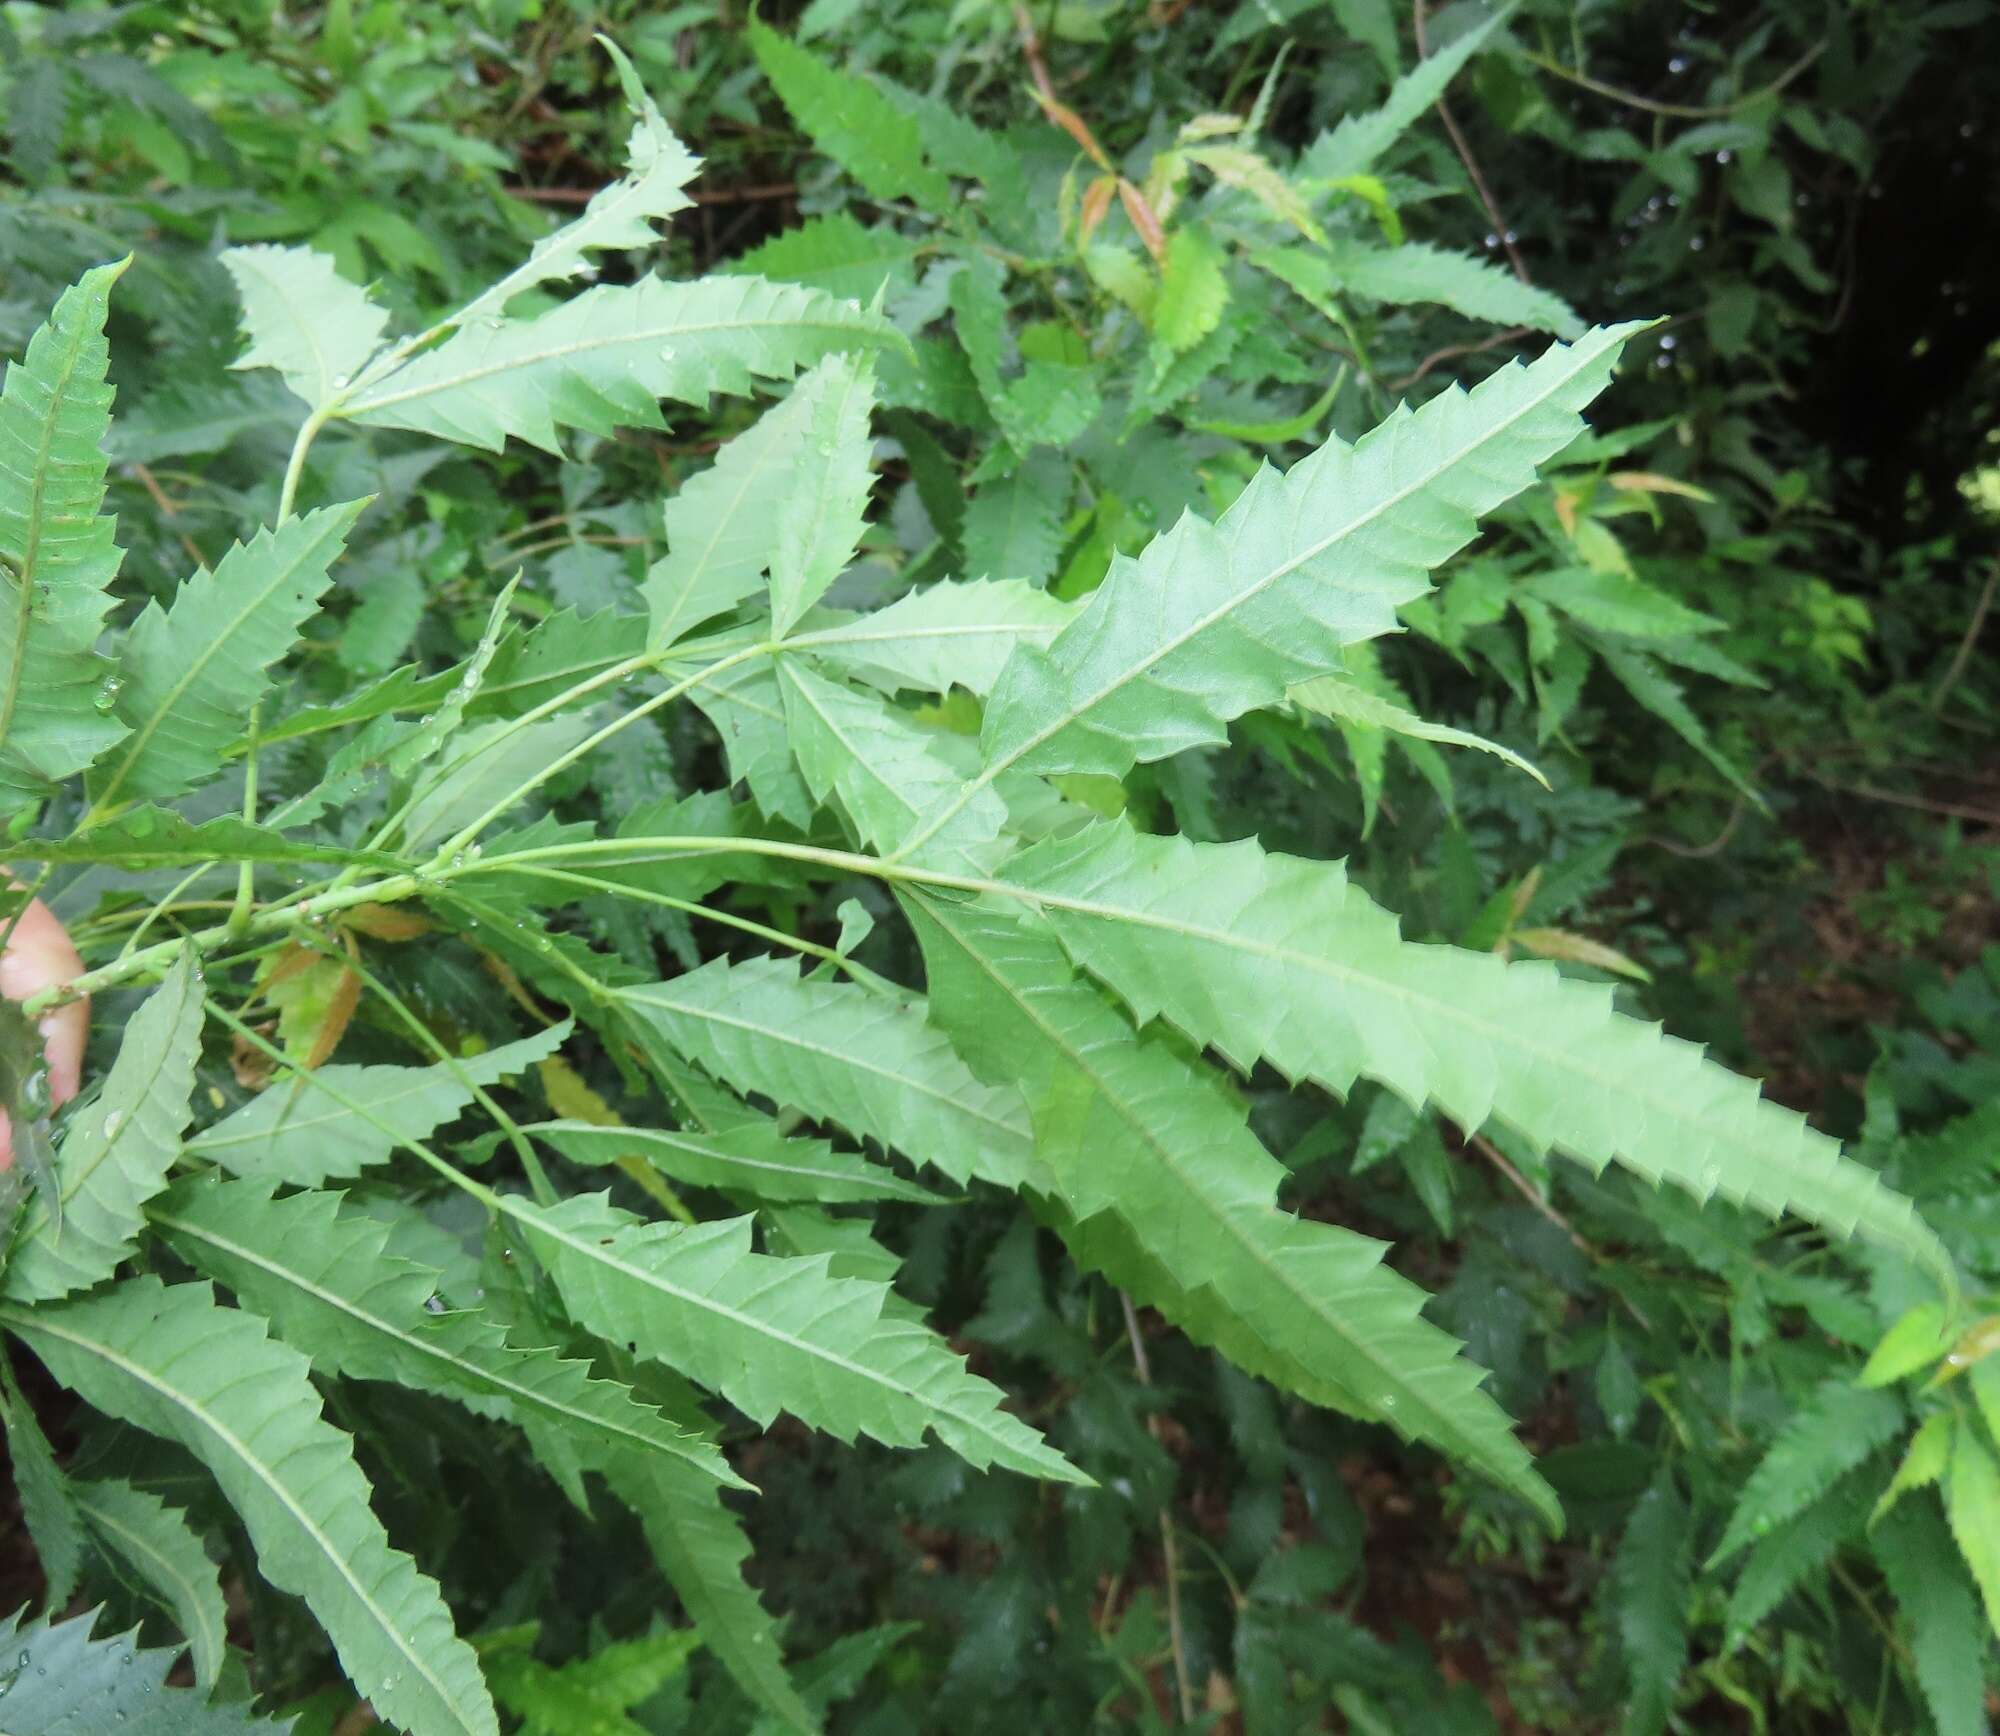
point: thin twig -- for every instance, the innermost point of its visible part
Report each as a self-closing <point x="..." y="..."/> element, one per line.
<point x="1675" y="110"/>
<point x="1527" y="1190"/>
<point x="700" y="195"/>
<point x="1923" y="804"/>
<point x="1965" y="645"/>
<point x="1465" y="156"/>
<point x="1169" y="1550"/>
<point x="170" y="509"/>
<point x="1511" y="335"/>
<point x="1031" y="51"/>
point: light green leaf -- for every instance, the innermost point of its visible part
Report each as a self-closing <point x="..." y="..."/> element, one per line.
<point x="118" y="1150"/>
<point x="1972" y="1503"/>
<point x="57" y="559"/>
<point x="294" y="1132"/>
<point x="167" y="1359"/>
<point x="773" y="1334"/>
<point x="304" y="319"/>
<point x="754" y="1159"/>
<point x="1398" y="276"/>
<point x="840" y="256"/>
<point x="1916" y="1341"/>
<point x="590" y="1695"/>
<point x="947" y="634"/>
<point x="1215" y="620"/>
<point x="868" y="1063"/>
<point x="326" y="1280"/>
<point x="157" y="1543"/>
<point x="62" y="1680"/>
<point x="819" y="517"/>
<point x="1616" y="604"/>
<point x="193" y="672"/>
<point x="485" y="764"/>
<point x="748" y="712"/>
<point x="1280" y="959"/>
<point x="1924" y="1462"/>
<point x="886" y="773"/>
<point x="1346" y="701"/>
<point x="1176" y="1200"/>
<point x="1193" y="290"/>
<point x="605" y="358"/>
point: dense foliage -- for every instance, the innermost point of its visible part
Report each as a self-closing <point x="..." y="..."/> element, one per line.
<point x="772" y="811"/>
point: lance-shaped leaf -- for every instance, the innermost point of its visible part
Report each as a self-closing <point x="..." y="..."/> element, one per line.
<point x="304" y="319"/>
<point x="157" y="1543"/>
<point x="326" y="1281"/>
<point x="1138" y="1135"/>
<point x="1211" y="621"/>
<point x="619" y="217"/>
<point x="1347" y="701"/>
<point x="192" y="672"/>
<point x="604" y="359"/>
<point x="1398" y="276"/>
<point x="753" y="1158"/>
<point x="949" y="634"/>
<point x="168" y="1360"/>
<point x="701" y="1548"/>
<point x="57" y="558"/>
<point x="150" y="837"/>
<point x="1354" y="145"/>
<point x="748" y="712"/>
<point x="866" y="1062"/>
<point x="60" y="1679"/>
<point x="296" y="1132"/>
<point x="887" y="774"/>
<point x="118" y="1150"/>
<point x="1947" y="1635"/>
<point x="1280" y="959"/>
<point x="48" y="1499"/>
<point x="819" y="520"/>
<point x="774" y="1334"/>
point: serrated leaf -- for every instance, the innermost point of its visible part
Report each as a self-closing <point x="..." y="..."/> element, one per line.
<point x="1013" y="526"/>
<point x="150" y="837"/>
<point x="1280" y="959"/>
<point x="868" y="1063"/>
<point x="754" y="1159"/>
<point x="1193" y="290"/>
<point x="773" y="1334"/>
<point x="838" y="255"/>
<point x="590" y="1695"/>
<point x="1398" y="276"/>
<point x="852" y="122"/>
<point x="1346" y="701"/>
<point x="1972" y="1504"/>
<point x="1838" y="1427"/>
<point x="486" y="764"/>
<point x="952" y="633"/>
<point x="1177" y="1200"/>
<point x="819" y="518"/>
<point x="60" y="1680"/>
<point x="1649" y="1579"/>
<point x="1212" y="621"/>
<point x="701" y="1548"/>
<point x="304" y="319"/>
<point x="298" y="1132"/>
<point x="1941" y="1609"/>
<point x="118" y="1150"/>
<point x="193" y="672"/>
<point x="1916" y="1341"/>
<point x="157" y="1543"/>
<point x="1924" y="1461"/>
<point x="858" y="746"/>
<point x="748" y="712"/>
<point x="167" y="1359"/>
<point x="325" y="1279"/>
<point x="1616" y="604"/>
<point x="604" y="359"/>
<point x="1355" y="145"/>
<point x="1779" y="1562"/>
<point x="57" y="559"/>
<point x="48" y="1501"/>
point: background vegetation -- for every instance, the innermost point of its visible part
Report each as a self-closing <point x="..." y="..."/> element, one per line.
<point x="1137" y="250"/>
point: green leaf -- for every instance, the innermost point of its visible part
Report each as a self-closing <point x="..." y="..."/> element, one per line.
<point x="1657" y="691"/>
<point x="753" y="1159"/>
<point x="304" y="319"/>
<point x="1924" y="1462"/>
<point x="326" y="1280"/>
<point x="772" y="1334"/>
<point x="1824" y="1439"/>
<point x="701" y="1549"/>
<point x="1359" y="141"/>
<point x="1948" y="1641"/>
<point x="869" y="1063"/>
<point x="819" y="518"/>
<point x="1347" y="701"/>
<point x="620" y="217"/>
<point x="1650" y="1583"/>
<point x="836" y="254"/>
<point x="58" y="1680"/>
<point x="1178" y="1200"/>
<point x="852" y="122"/>
<point x="1616" y="604"/>
<point x="1014" y="524"/>
<point x="157" y="1543"/>
<point x="1212" y="621"/>
<point x="1972" y="1503"/>
<point x="48" y="1499"/>
<point x="150" y="837"/>
<point x="1280" y="959"/>
<point x="1799" y="1548"/>
<point x="947" y="634"/>
<point x="590" y="1695"/>
<point x="605" y="358"/>
<point x="296" y="1132"/>
<point x="1193" y="290"/>
<point x="117" y="1151"/>
<point x="193" y="672"/>
<point x="1398" y="276"/>
<point x="1916" y="1341"/>
<point x="167" y="1359"/>
<point x="486" y="764"/>
<point x="748" y="712"/>
<point x="885" y="770"/>
<point x="57" y="559"/>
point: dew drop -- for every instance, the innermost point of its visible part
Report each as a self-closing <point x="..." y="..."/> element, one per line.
<point x="107" y="695"/>
<point x="34" y="1105"/>
<point x="434" y="1304"/>
<point x="1725" y="156"/>
<point x="1679" y="63"/>
<point x="112" y="1123"/>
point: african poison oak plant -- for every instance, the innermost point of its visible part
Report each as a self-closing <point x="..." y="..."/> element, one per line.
<point x="238" y="1219"/>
